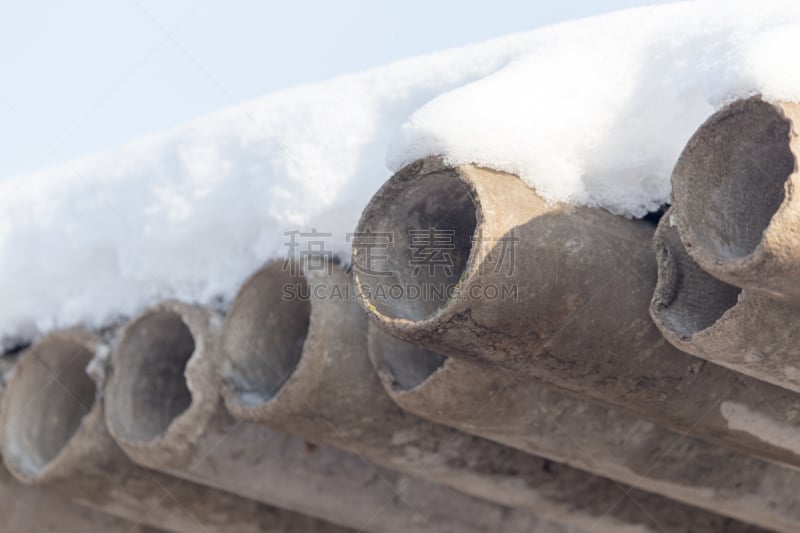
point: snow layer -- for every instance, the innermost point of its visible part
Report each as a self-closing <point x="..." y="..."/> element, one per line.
<point x="591" y="112"/>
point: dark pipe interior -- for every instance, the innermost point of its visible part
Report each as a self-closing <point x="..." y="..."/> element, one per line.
<point x="265" y="332"/>
<point x="690" y="299"/>
<point x="46" y="406"/>
<point x="407" y="365"/>
<point x="425" y="231"/>
<point x="654" y="217"/>
<point x="149" y="385"/>
<point x="735" y="169"/>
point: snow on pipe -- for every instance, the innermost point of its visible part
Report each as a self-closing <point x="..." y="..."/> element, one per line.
<point x="53" y="435"/>
<point x="569" y="304"/>
<point x="166" y="411"/>
<point x="27" y="509"/>
<point x="741" y="329"/>
<point x="484" y="400"/>
<point x="296" y="358"/>
<point x="734" y="191"/>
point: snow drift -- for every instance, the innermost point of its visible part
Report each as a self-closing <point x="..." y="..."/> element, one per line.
<point x="592" y="112"/>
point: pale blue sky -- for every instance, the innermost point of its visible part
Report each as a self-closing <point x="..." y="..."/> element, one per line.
<point x="87" y="75"/>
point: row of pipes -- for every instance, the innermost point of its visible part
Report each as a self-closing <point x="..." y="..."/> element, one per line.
<point x="574" y="406"/>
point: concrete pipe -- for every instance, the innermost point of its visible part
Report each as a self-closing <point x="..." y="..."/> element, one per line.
<point x="53" y="435"/>
<point x="734" y="191"/>
<point x="577" y="316"/>
<point x="25" y="509"/>
<point x="166" y="411"/>
<point x="741" y="329"/>
<point x="483" y="400"/>
<point x="296" y="359"/>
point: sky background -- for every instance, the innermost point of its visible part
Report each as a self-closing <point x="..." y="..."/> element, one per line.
<point x="87" y="75"/>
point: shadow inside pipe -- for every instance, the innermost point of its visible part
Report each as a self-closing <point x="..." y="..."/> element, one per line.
<point x="687" y="299"/>
<point x="734" y="172"/>
<point x="150" y="388"/>
<point x="421" y="237"/>
<point x="265" y="332"/>
<point x="405" y="365"/>
<point x="45" y="407"/>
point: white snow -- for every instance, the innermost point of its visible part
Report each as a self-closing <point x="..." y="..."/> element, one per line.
<point x="591" y="112"/>
<point x="769" y="431"/>
<point x="598" y="110"/>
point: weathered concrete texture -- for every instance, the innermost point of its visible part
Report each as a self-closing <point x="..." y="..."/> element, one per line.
<point x="584" y="279"/>
<point x="53" y="435"/>
<point x="7" y="363"/>
<point x="738" y="328"/>
<point x="180" y="425"/>
<point x="25" y="509"/>
<point x="734" y="191"/>
<point x="482" y="399"/>
<point x="302" y="366"/>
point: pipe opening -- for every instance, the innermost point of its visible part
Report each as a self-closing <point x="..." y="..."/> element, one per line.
<point x="688" y="299"/>
<point x="431" y="222"/>
<point x="407" y="366"/>
<point x="734" y="172"/>
<point x="150" y="388"/>
<point x="265" y="331"/>
<point x="51" y="394"/>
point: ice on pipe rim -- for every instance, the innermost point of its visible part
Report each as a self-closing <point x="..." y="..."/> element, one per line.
<point x="591" y="112"/>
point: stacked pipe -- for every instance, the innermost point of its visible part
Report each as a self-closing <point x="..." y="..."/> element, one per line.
<point x="165" y="409"/>
<point x="578" y="315"/>
<point x="539" y="375"/>
<point x="296" y="358"/>
<point x="729" y="254"/>
<point x="483" y="400"/>
<point x="54" y="436"/>
<point x="579" y="323"/>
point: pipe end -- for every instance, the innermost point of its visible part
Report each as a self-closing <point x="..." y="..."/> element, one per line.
<point x="414" y="243"/>
<point x="730" y="182"/>
<point x="687" y="300"/>
<point x="162" y="389"/>
<point x="47" y="402"/>
<point x="264" y="335"/>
